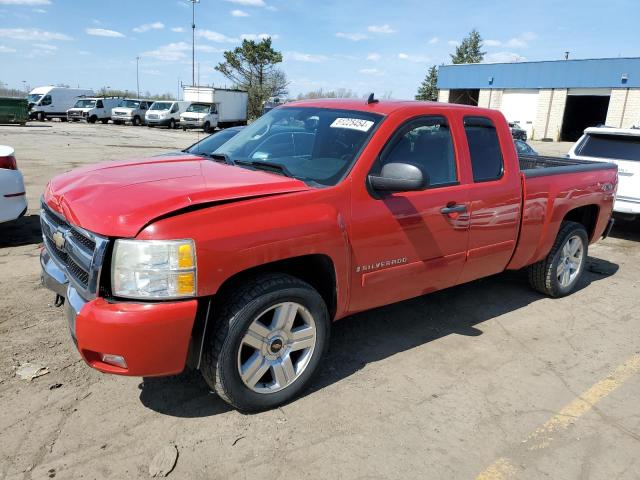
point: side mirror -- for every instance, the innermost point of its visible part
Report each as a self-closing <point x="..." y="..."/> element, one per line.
<point x="399" y="177"/>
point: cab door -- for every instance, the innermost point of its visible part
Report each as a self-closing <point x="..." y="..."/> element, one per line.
<point x="495" y="197"/>
<point x="410" y="243"/>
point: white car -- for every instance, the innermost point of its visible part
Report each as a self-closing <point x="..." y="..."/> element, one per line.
<point x="622" y="147"/>
<point x="13" y="198"/>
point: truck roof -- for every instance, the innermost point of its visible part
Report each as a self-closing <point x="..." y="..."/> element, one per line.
<point x="383" y="107"/>
<point x="612" y="131"/>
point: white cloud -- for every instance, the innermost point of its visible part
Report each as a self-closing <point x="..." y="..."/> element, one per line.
<point x="29" y="3"/>
<point x="46" y="46"/>
<point x="177" y="29"/>
<point x="249" y="3"/>
<point x="239" y="13"/>
<point x="434" y="40"/>
<point x="380" y="29"/>
<point x="259" y="36"/>
<point x="371" y="71"/>
<point x="39" y="10"/>
<point x="413" y="58"/>
<point x="504" y="57"/>
<point x="174" y="52"/>
<point x="215" y="36"/>
<point x="103" y="32"/>
<point x="149" y="26"/>
<point x="4" y="49"/>
<point x="32" y="34"/>
<point x="374" y="57"/>
<point x="354" y="37"/>
<point x="305" y="57"/>
<point x="492" y="43"/>
<point x="522" y="40"/>
<point x="453" y="43"/>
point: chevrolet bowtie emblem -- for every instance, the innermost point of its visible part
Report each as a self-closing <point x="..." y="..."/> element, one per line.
<point x="58" y="239"/>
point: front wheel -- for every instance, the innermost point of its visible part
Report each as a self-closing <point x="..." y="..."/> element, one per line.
<point x="271" y="334"/>
<point x="136" y="121"/>
<point x="104" y="121"/>
<point x="172" y="124"/>
<point x="207" y="127"/>
<point x="558" y="274"/>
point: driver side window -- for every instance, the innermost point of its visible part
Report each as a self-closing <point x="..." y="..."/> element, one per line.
<point x="99" y="104"/>
<point x="46" y="100"/>
<point x="174" y="109"/>
<point x="426" y="143"/>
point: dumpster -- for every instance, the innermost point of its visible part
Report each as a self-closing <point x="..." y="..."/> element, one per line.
<point x="14" y="110"/>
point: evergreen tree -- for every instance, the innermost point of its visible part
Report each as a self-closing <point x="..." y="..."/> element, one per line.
<point x="429" y="88"/>
<point x="470" y="50"/>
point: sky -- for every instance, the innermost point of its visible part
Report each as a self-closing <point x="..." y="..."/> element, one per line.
<point x="384" y="47"/>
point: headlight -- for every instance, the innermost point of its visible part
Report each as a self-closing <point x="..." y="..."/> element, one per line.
<point x="154" y="269"/>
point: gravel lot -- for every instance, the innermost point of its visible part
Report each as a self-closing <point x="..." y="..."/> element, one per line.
<point x="487" y="380"/>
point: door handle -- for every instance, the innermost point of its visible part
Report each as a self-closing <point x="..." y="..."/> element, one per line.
<point x="454" y="208"/>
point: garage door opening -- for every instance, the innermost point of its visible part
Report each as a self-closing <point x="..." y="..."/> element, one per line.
<point x="582" y="111"/>
<point x="464" y="96"/>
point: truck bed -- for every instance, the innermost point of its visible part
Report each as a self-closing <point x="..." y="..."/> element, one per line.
<point x="540" y="166"/>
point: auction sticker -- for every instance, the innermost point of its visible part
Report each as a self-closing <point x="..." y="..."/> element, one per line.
<point x="352" y="124"/>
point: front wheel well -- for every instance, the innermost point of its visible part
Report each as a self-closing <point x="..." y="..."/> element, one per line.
<point x="586" y="215"/>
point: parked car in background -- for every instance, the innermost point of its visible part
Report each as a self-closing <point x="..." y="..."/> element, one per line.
<point x="622" y="147"/>
<point x="236" y="262"/>
<point x="523" y="148"/>
<point x="53" y="102"/>
<point x="200" y="115"/>
<point x="13" y="197"/>
<point x="93" y="109"/>
<point x="14" y="110"/>
<point x="165" y="113"/>
<point x="517" y="131"/>
<point x="230" y="105"/>
<point x="130" y="111"/>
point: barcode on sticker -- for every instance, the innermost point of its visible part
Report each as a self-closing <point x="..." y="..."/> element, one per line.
<point x="353" y="124"/>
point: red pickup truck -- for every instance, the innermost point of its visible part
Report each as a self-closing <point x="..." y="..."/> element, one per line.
<point x="236" y="261"/>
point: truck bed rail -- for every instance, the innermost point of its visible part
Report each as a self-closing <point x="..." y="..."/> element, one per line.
<point x="540" y="166"/>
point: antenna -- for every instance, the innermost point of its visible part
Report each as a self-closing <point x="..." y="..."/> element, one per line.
<point x="372" y="99"/>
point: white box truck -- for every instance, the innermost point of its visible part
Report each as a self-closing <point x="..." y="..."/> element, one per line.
<point x="214" y="107"/>
<point x="53" y="102"/>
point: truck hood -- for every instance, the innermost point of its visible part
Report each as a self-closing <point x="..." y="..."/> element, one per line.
<point x="118" y="199"/>
<point x="193" y="115"/>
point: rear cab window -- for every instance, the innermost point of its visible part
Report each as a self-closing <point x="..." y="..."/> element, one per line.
<point x="616" y="147"/>
<point x="484" y="148"/>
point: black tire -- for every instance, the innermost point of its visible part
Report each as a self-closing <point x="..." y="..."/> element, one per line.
<point x="234" y="316"/>
<point x="172" y="124"/>
<point x="136" y="121"/>
<point x="207" y="127"/>
<point x="543" y="275"/>
<point x="104" y="121"/>
<point x="92" y="119"/>
<point x="42" y="116"/>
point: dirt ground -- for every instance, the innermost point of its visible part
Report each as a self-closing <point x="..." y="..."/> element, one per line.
<point x="488" y="380"/>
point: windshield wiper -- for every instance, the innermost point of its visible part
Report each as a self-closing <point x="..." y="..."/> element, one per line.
<point x="267" y="166"/>
<point x="221" y="157"/>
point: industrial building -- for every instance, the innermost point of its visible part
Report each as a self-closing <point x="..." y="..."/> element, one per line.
<point x="552" y="100"/>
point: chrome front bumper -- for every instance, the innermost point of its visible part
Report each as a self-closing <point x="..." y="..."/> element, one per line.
<point x="55" y="279"/>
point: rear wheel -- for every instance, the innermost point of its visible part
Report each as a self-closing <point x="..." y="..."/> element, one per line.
<point x="104" y="121"/>
<point x="559" y="273"/>
<point x="271" y="334"/>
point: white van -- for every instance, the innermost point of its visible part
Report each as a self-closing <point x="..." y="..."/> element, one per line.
<point x="165" y="113"/>
<point x="200" y="115"/>
<point x="131" y="110"/>
<point x="93" y="109"/>
<point x="622" y="147"/>
<point x="53" y="102"/>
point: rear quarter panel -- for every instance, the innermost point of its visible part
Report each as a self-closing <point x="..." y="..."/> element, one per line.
<point x="548" y="200"/>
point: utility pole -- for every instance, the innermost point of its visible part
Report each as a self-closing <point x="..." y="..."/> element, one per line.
<point x="193" y="40"/>
<point x="138" y="76"/>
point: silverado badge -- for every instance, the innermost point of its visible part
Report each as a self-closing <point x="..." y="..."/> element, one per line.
<point x="58" y="239"/>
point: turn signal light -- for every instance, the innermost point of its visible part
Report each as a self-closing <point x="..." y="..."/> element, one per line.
<point x="115" y="360"/>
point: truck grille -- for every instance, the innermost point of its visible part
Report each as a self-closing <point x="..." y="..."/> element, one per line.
<point x="75" y="114"/>
<point x="121" y="114"/>
<point x="77" y="252"/>
<point x="152" y="116"/>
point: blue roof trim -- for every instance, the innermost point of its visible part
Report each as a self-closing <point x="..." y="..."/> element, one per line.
<point x="591" y="73"/>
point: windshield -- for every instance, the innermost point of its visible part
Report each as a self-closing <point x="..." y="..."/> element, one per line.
<point x="199" y="108"/>
<point x="34" y="97"/>
<point x="617" y="147"/>
<point x="161" y="106"/>
<point x="316" y="145"/>
<point x="85" y="104"/>
<point x="130" y="104"/>
<point x="213" y="142"/>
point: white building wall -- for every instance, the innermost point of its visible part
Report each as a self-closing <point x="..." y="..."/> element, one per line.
<point x="490" y="98"/>
<point x="521" y="106"/>
<point x="624" y="108"/>
<point x="443" y="96"/>
<point x="550" y="112"/>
